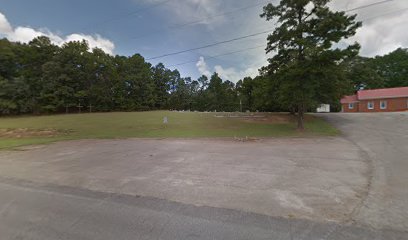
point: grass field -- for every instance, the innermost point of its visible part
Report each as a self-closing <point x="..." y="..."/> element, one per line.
<point x="19" y="131"/>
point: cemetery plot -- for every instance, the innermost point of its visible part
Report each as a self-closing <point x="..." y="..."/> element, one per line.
<point x="19" y="131"/>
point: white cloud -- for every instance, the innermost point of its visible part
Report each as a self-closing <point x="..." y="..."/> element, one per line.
<point x="383" y="25"/>
<point x="23" y="34"/>
<point x="234" y="75"/>
<point x="381" y="36"/>
<point x="93" y="41"/>
<point x="4" y="24"/>
<point x="231" y="74"/>
<point x="26" y="34"/>
<point x="202" y="67"/>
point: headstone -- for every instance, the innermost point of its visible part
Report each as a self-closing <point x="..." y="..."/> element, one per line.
<point x="165" y="120"/>
<point x="79" y="107"/>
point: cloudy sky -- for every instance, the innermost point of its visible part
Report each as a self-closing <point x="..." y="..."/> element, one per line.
<point x="157" y="27"/>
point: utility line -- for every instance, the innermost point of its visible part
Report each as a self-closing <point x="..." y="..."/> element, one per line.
<point x="224" y="54"/>
<point x="385" y="14"/>
<point x="238" y="10"/>
<point x="368" y="5"/>
<point x="152" y="6"/>
<point x="246" y="36"/>
<point x="252" y="48"/>
<point x="210" y="45"/>
<point x="182" y="25"/>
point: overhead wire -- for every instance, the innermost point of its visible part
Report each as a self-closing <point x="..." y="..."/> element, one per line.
<point x="182" y="25"/>
<point x="210" y="45"/>
<point x="246" y="49"/>
<point x="246" y="36"/>
<point x="368" y="5"/>
<point x="219" y="55"/>
<point x="385" y="14"/>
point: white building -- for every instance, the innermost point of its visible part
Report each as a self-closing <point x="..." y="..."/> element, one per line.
<point x="323" y="108"/>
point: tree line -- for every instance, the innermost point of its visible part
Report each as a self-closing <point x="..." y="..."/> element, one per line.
<point x="42" y="78"/>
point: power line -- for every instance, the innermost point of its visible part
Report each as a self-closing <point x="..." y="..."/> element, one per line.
<point x="210" y="45"/>
<point x="385" y="14"/>
<point x="246" y="36"/>
<point x="243" y="9"/>
<point x="368" y="5"/>
<point x="257" y="47"/>
<point x="177" y="26"/>
<point x="219" y="55"/>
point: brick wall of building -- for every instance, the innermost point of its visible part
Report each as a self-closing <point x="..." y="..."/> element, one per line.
<point x="393" y="105"/>
<point x="345" y="108"/>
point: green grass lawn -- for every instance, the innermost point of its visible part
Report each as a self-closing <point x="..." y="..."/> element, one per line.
<point x="150" y="125"/>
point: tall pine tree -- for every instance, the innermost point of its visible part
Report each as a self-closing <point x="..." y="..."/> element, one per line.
<point x="307" y="63"/>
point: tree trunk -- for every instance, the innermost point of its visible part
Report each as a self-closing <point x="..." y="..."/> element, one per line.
<point x="293" y="111"/>
<point x="301" y="114"/>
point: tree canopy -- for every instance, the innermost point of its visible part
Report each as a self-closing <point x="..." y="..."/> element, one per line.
<point x="40" y="77"/>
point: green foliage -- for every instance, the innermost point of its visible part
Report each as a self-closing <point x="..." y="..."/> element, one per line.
<point x="362" y="75"/>
<point x="393" y="68"/>
<point x="221" y="95"/>
<point x="306" y="67"/>
<point x="40" y="77"/>
<point x="386" y="71"/>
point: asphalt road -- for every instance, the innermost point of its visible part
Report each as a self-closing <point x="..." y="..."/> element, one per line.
<point x="350" y="187"/>
<point x="384" y="139"/>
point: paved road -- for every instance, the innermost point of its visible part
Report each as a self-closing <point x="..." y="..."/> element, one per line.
<point x="30" y="211"/>
<point x="384" y="138"/>
<point x="100" y="190"/>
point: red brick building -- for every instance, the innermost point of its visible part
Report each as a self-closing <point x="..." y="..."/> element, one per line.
<point x="377" y="100"/>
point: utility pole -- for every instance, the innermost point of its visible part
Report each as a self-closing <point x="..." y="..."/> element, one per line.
<point x="240" y="105"/>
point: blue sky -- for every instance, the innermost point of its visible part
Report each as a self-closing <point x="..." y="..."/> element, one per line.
<point x="119" y="28"/>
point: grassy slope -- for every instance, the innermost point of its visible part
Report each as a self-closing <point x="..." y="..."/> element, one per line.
<point x="149" y="124"/>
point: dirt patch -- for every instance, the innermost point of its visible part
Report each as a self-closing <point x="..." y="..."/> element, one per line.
<point x="263" y="117"/>
<point x="281" y="118"/>
<point x="27" y="132"/>
<point x="246" y="139"/>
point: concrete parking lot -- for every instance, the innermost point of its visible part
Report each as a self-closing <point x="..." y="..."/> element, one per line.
<point x="347" y="187"/>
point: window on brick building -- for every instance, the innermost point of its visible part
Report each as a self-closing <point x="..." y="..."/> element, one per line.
<point x="370" y="105"/>
<point x="351" y="106"/>
<point x="383" y="104"/>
